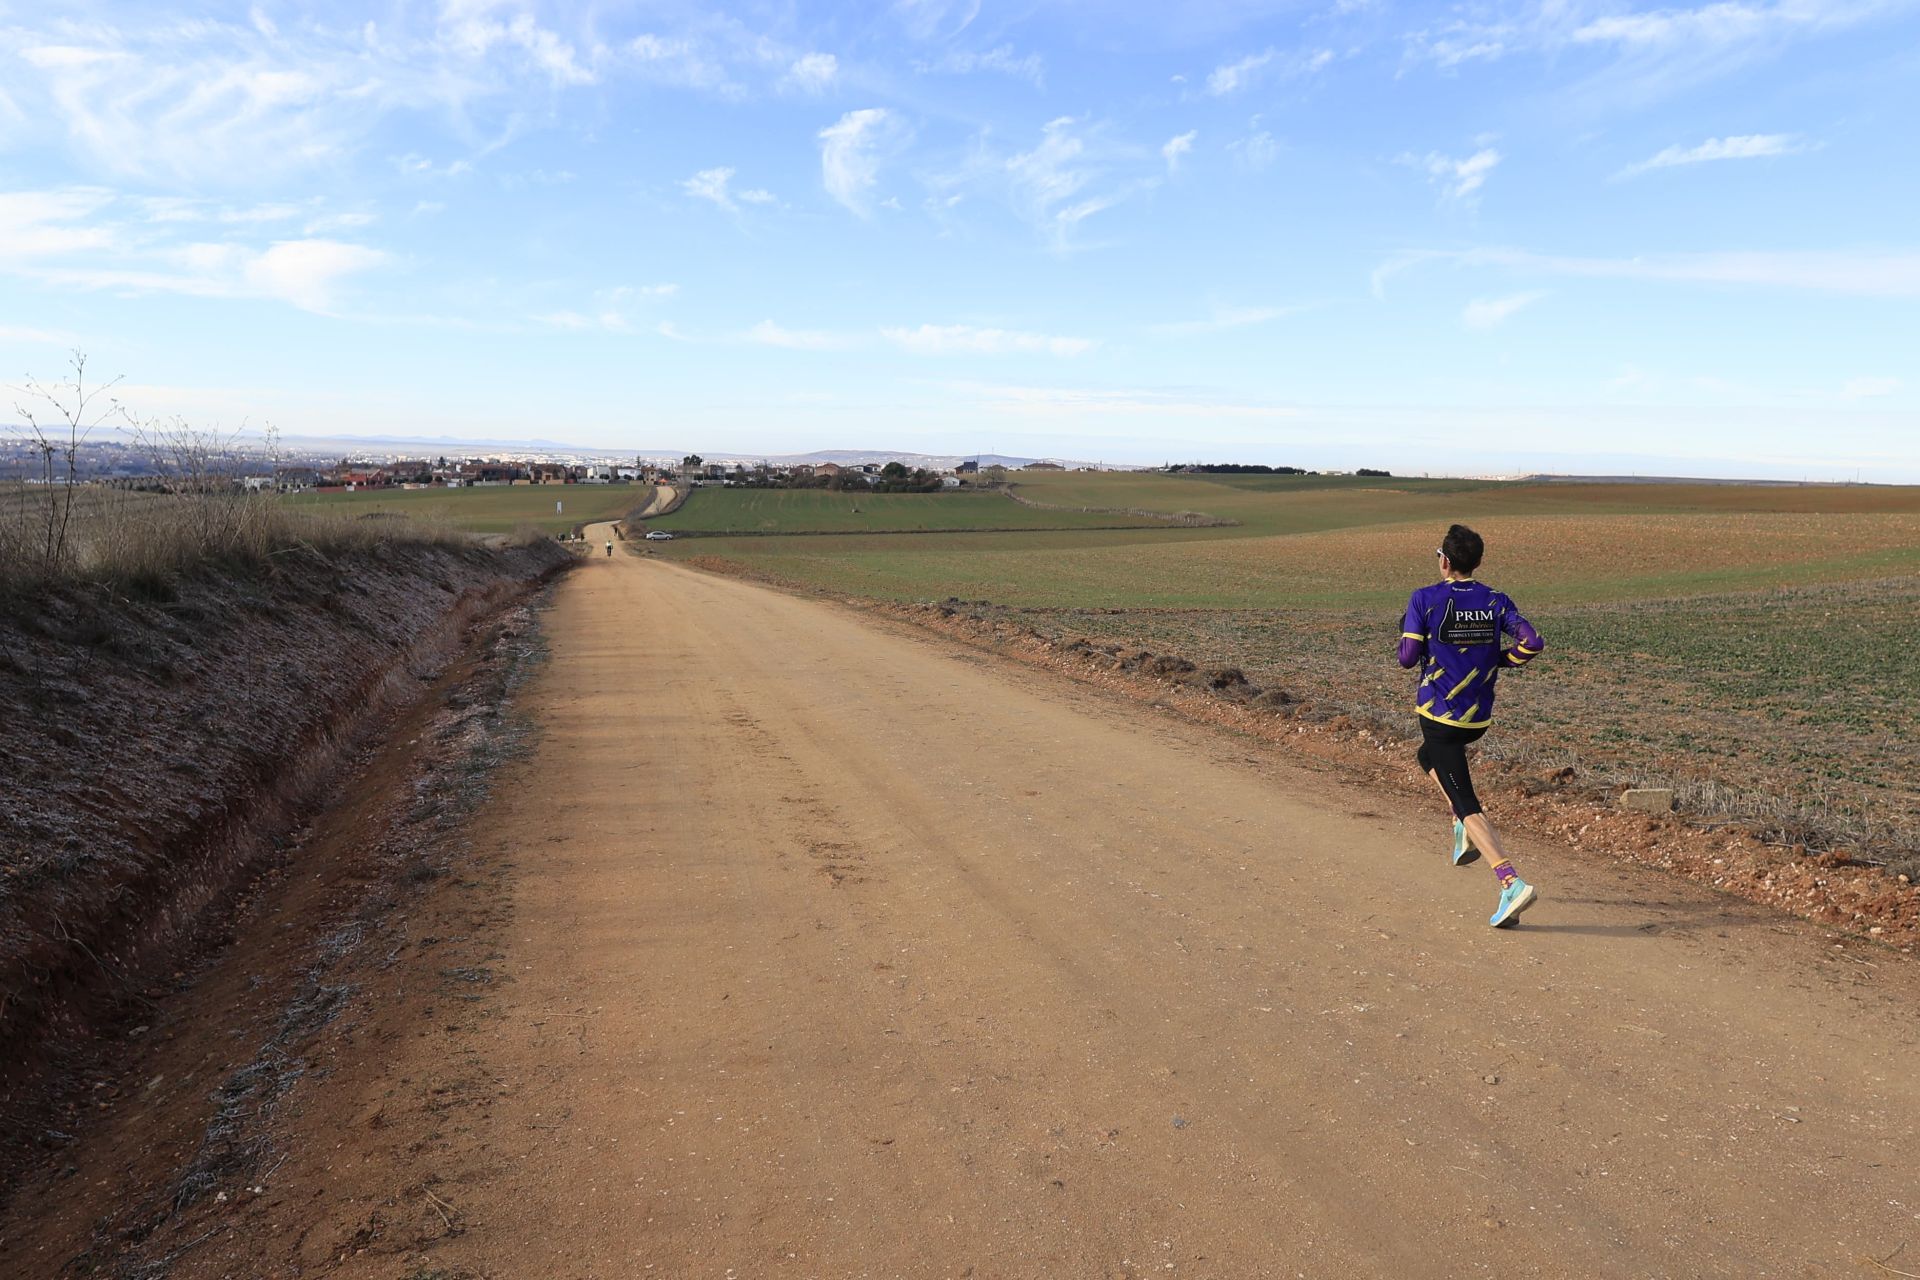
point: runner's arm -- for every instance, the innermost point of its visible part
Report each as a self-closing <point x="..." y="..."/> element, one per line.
<point x="1527" y="643"/>
<point x="1413" y="636"/>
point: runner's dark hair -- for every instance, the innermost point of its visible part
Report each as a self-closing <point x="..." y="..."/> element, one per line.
<point x="1464" y="548"/>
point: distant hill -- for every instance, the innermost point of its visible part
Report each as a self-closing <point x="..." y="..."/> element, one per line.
<point x="351" y="444"/>
<point x="930" y="461"/>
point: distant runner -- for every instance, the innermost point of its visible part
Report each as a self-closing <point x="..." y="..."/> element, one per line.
<point x="609" y="546"/>
<point x="1452" y="632"/>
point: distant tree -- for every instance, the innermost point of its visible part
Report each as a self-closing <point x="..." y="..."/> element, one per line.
<point x="693" y="461"/>
<point x="893" y="471"/>
<point x="1369" y="471"/>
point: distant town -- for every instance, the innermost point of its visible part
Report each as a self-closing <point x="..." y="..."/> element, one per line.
<point x="422" y="473"/>
<point x="122" y="464"/>
<point x="296" y="468"/>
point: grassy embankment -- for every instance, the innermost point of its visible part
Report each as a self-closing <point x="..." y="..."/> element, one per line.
<point x="51" y="538"/>
<point x="181" y="679"/>
<point x="1749" y="643"/>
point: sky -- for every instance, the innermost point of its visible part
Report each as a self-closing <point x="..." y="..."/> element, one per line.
<point x="1485" y="238"/>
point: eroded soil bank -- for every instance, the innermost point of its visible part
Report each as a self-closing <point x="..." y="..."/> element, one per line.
<point x="157" y="753"/>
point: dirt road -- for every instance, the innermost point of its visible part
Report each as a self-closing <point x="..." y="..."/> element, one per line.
<point x="836" y="950"/>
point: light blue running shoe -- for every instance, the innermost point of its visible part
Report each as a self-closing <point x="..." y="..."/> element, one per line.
<point x="1515" y="898"/>
<point x="1463" y="850"/>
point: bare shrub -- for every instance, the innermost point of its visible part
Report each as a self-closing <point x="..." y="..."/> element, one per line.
<point x="37" y="523"/>
<point x="62" y="529"/>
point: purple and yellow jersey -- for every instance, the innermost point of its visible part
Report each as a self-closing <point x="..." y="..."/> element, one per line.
<point x="1452" y="633"/>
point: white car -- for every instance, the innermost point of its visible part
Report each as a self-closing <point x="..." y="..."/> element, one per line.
<point x="659" y="535"/>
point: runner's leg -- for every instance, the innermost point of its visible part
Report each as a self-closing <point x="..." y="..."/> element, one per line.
<point x="1443" y="753"/>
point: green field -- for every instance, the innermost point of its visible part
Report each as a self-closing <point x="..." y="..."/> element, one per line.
<point x="813" y="511"/>
<point x="1746" y="642"/>
<point x="1322" y="546"/>
<point x="487" y="508"/>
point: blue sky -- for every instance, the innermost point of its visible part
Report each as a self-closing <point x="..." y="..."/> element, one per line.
<point x="1487" y="237"/>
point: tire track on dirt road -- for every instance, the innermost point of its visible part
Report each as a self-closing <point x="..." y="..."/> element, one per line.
<point x="835" y="954"/>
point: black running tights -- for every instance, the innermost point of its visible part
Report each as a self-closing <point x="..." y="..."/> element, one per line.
<point x="1443" y="754"/>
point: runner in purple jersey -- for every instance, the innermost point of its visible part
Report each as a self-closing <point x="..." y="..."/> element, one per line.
<point x="1452" y="632"/>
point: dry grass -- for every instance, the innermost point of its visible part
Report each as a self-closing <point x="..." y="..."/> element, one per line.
<point x="147" y="542"/>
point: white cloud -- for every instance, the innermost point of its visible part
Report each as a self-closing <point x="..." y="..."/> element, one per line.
<point x="1178" y="147"/>
<point x="42" y="224"/>
<point x="477" y="27"/>
<point x="1255" y="152"/>
<point x="769" y="334"/>
<point x="1869" y="388"/>
<point x="1488" y="313"/>
<point x="1643" y="55"/>
<point x="1224" y="318"/>
<point x="1051" y="183"/>
<point x="850" y="155"/>
<point x="71" y="237"/>
<point x="813" y="72"/>
<point x="612" y="310"/>
<point x="1456" y="178"/>
<point x="1052" y="172"/>
<point x="756" y="195"/>
<point x="1000" y="58"/>
<point x="537" y="178"/>
<point x="932" y="19"/>
<point x="279" y="212"/>
<point x="711" y="184"/>
<point x="1890" y="274"/>
<point x="419" y="166"/>
<point x="1076" y="402"/>
<point x="339" y="222"/>
<point x="207" y="99"/>
<point x="1750" y="146"/>
<point x="38" y="337"/>
<point x="307" y="272"/>
<point x="1720" y="23"/>
<point x="1233" y="77"/>
<point x="951" y="339"/>
<point x="1073" y="172"/>
<point x="676" y="60"/>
